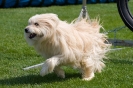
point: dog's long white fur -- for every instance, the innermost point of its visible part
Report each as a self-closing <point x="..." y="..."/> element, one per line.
<point x="79" y="44"/>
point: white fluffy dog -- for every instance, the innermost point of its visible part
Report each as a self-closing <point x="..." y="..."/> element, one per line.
<point x="79" y="44"/>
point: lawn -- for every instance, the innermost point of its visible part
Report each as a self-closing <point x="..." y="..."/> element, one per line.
<point x="15" y="53"/>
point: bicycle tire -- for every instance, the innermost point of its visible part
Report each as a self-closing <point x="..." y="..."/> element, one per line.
<point x="125" y="14"/>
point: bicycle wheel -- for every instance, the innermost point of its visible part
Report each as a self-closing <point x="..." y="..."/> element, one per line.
<point x="125" y="11"/>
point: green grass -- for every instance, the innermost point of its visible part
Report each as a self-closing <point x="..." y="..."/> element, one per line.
<point x="16" y="54"/>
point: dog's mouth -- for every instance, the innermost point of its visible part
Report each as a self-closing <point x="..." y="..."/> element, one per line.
<point x="32" y="35"/>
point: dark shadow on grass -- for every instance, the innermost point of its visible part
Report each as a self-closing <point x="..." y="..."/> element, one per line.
<point x="36" y="79"/>
<point x="121" y="61"/>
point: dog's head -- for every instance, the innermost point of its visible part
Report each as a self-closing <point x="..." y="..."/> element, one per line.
<point x="41" y="26"/>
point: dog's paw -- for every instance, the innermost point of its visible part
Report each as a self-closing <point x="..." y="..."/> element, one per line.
<point x="47" y="67"/>
<point x="44" y="71"/>
<point x="89" y="78"/>
<point x="61" y="74"/>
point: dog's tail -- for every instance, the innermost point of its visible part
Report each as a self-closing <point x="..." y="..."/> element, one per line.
<point x="99" y="52"/>
<point x="90" y="25"/>
<point x="99" y="48"/>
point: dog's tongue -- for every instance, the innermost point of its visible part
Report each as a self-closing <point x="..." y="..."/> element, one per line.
<point x="32" y="35"/>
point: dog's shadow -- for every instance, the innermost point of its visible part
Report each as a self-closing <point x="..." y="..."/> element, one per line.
<point x="36" y="79"/>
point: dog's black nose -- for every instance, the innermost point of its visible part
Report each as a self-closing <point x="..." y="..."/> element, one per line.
<point x="26" y="30"/>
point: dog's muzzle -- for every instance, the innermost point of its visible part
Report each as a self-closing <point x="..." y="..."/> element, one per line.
<point x="31" y="35"/>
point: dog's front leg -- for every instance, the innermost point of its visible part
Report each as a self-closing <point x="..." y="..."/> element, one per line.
<point x="59" y="72"/>
<point x="49" y="65"/>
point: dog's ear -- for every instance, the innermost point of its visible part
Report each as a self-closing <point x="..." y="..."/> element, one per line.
<point x="51" y="20"/>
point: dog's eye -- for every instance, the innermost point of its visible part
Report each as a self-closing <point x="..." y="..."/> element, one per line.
<point x="36" y="24"/>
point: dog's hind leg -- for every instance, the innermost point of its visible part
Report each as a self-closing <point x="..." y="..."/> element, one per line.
<point x="59" y="72"/>
<point x="87" y="74"/>
<point x="49" y="65"/>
